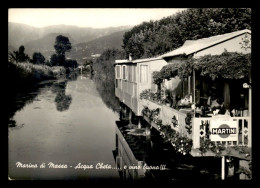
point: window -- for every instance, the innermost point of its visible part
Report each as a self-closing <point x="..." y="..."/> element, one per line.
<point x="130" y="73"/>
<point x="143" y="73"/>
<point x="117" y="83"/>
<point x="134" y="74"/>
<point x="124" y="74"/>
<point x="118" y="72"/>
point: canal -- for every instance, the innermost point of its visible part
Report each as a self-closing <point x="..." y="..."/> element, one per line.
<point x="75" y="128"/>
<point x="67" y="123"/>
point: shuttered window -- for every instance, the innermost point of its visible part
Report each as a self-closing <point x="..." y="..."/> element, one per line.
<point x="134" y="74"/>
<point x="143" y="73"/>
<point x="118" y="72"/>
<point x="130" y="73"/>
<point x="124" y="72"/>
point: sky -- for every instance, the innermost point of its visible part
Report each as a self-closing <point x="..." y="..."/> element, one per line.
<point x="88" y="17"/>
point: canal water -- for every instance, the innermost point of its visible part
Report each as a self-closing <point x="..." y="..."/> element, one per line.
<point x="73" y="128"/>
<point x="67" y="123"/>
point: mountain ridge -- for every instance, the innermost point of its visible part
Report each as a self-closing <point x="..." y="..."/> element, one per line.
<point x="82" y="48"/>
<point x="19" y="34"/>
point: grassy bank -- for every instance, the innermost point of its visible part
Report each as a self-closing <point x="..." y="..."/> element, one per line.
<point x="25" y="74"/>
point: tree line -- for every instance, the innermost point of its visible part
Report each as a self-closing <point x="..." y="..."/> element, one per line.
<point x="154" y="38"/>
<point x="103" y="65"/>
<point x="61" y="46"/>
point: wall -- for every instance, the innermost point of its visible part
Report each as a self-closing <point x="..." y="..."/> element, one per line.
<point x="152" y="66"/>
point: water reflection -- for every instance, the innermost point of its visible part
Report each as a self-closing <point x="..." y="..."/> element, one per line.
<point x="62" y="100"/>
<point x="18" y="99"/>
<point x="73" y="76"/>
<point x="84" y="133"/>
<point x="106" y="89"/>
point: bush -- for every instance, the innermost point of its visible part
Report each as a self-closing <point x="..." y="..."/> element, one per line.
<point x="38" y="58"/>
<point x="37" y="72"/>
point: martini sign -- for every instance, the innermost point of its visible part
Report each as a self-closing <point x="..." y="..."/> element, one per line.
<point x="223" y="130"/>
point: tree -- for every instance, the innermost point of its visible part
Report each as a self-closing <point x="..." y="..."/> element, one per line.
<point x="62" y="45"/>
<point x="22" y="55"/>
<point x="55" y="60"/>
<point x="38" y="58"/>
<point x="48" y="63"/>
<point x="158" y="37"/>
<point x="13" y="56"/>
<point x="104" y="64"/>
<point x="18" y="56"/>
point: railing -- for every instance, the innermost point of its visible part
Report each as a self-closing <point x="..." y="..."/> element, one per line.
<point x="166" y="114"/>
<point x="126" y="157"/>
<point x="202" y="129"/>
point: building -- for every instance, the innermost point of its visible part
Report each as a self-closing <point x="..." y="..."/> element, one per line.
<point x="220" y="105"/>
<point x="214" y="93"/>
<point x="235" y="92"/>
<point x="133" y="77"/>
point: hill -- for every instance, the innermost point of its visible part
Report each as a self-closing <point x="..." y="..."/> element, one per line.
<point x="84" y="50"/>
<point x="19" y="34"/>
<point x="45" y="44"/>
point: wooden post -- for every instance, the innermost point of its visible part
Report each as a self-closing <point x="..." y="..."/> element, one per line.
<point x="250" y="115"/>
<point x="139" y="123"/>
<point x="223" y="167"/>
<point x="189" y="85"/>
<point x="130" y="116"/>
<point x="194" y="90"/>
<point x="196" y="132"/>
<point x="226" y="94"/>
<point x="147" y="130"/>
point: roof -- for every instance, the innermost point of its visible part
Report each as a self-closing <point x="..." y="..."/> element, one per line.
<point x="192" y="46"/>
<point x="137" y="60"/>
<point x="147" y="59"/>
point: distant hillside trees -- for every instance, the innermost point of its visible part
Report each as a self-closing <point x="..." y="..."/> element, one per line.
<point x="88" y="62"/>
<point x="38" y="58"/>
<point x="88" y="66"/>
<point x="154" y="38"/>
<point x="18" y="56"/>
